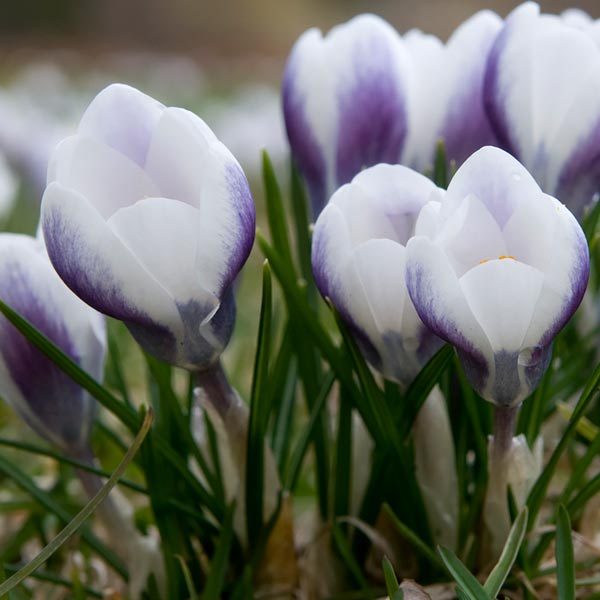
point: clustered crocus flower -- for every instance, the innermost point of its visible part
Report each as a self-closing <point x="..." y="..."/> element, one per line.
<point x="44" y="396"/>
<point x="149" y="218"/>
<point x="497" y="269"/>
<point x="541" y="89"/>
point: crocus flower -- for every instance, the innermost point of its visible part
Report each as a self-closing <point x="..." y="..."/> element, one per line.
<point x="541" y="89"/>
<point x="148" y="218"/>
<point x="358" y="258"/>
<point x="344" y="102"/>
<point x="497" y="269"/>
<point x="47" y="399"/>
<point x="446" y="92"/>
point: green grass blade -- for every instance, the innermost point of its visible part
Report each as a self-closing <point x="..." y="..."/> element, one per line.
<point x="391" y="583"/>
<point x="50" y="505"/>
<point x="565" y="561"/>
<point x="259" y="414"/>
<point x="347" y="557"/>
<point x="422" y="385"/>
<point x="84" y="466"/>
<point x="85" y="512"/>
<point x="300" y="212"/>
<point x="342" y="472"/>
<point x="275" y="211"/>
<point x="189" y="580"/>
<point x="500" y="572"/>
<point x="540" y="488"/>
<point x="220" y="561"/>
<point x="293" y="468"/>
<point x="124" y="413"/>
<point x="413" y="539"/>
<point x="467" y="582"/>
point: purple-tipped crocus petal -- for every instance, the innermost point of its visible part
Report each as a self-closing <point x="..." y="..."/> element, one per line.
<point x="541" y="83"/>
<point x="97" y="266"/>
<point x="344" y="102"/>
<point x="54" y="406"/>
<point x="446" y="92"/>
<point x="466" y="127"/>
<point x="123" y="118"/>
<point x="214" y="184"/>
<point x="358" y="261"/>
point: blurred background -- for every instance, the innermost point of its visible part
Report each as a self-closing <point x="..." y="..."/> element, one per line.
<point x="222" y="59"/>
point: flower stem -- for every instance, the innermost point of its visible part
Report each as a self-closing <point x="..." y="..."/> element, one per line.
<point x="505" y="421"/>
<point x="218" y="390"/>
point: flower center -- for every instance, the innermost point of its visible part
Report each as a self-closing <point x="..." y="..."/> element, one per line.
<point x="502" y="257"/>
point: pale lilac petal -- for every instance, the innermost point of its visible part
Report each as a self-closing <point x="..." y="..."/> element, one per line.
<point x="155" y="231"/>
<point x="47" y="398"/>
<point x="466" y="126"/>
<point x="439" y="300"/>
<point x="542" y="80"/>
<point x="93" y="262"/>
<point x="122" y="118"/>
<point x="188" y="163"/>
<point x="107" y="179"/>
<point x="344" y="102"/>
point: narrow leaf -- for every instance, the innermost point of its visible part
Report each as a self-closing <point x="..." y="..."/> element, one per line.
<point x="220" y="562"/>
<point x="467" y="582"/>
<point x="565" y="561"/>
<point x="391" y="583"/>
<point x="259" y="405"/>
<point x="85" y="512"/>
<point x="500" y="572"/>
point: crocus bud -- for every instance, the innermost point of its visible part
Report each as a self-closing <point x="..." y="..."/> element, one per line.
<point x="541" y="90"/>
<point x="149" y="218"/>
<point x="358" y="258"/>
<point x="497" y="270"/>
<point x="344" y="102"/>
<point x="45" y="397"/>
<point x="446" y="92"/>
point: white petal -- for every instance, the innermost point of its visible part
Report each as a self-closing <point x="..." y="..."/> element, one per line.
<point x="172" y="243"/>
<point x="97" y="266"/>
<point x="123" y="118"/>
<point x="105" y="177"/>
<point x="439" y="299"/>
<point x="502" y="295"/>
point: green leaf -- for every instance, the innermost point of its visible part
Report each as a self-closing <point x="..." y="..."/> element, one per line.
<point x="189" y="581"/>
<point x="440" y="165"/>
<point x="565" y="562"/>
<point x="275" y="211"/>
<point x="391" y="583"/>
<point x="125" y="413"/>
<point x="259" y="414"/>
<point x="220" y="561"/>
<point x="348" y="558"/>
<point x="467" y="582"/>
<point x="85" y="512"/>
<point x="49" y="504"/>
<point x="422" y="385"/>
<point x="413" y="539"/>
<point x="538" y="493"/>
<point x="293" y="468"/>
<point x="300" y="212"/>
<point x="342" y="473"/>
<point x="500" y="572"/>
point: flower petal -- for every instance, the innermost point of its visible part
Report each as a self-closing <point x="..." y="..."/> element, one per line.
<point x="105" y="177"/>
<point x="93" y="262"/>
<point x="344" y="103"/>
<point x="123" y="118"/>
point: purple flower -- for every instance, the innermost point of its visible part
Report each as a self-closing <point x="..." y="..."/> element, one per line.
<point x="497" y="270"/>
<point x="541" y="91"/>
<point x="344" y="102"/>
<point x="51" y="403"/>
<point x="149" y="218"/>
<point x="359" y="256"/>
<point x="446" y="92"/>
